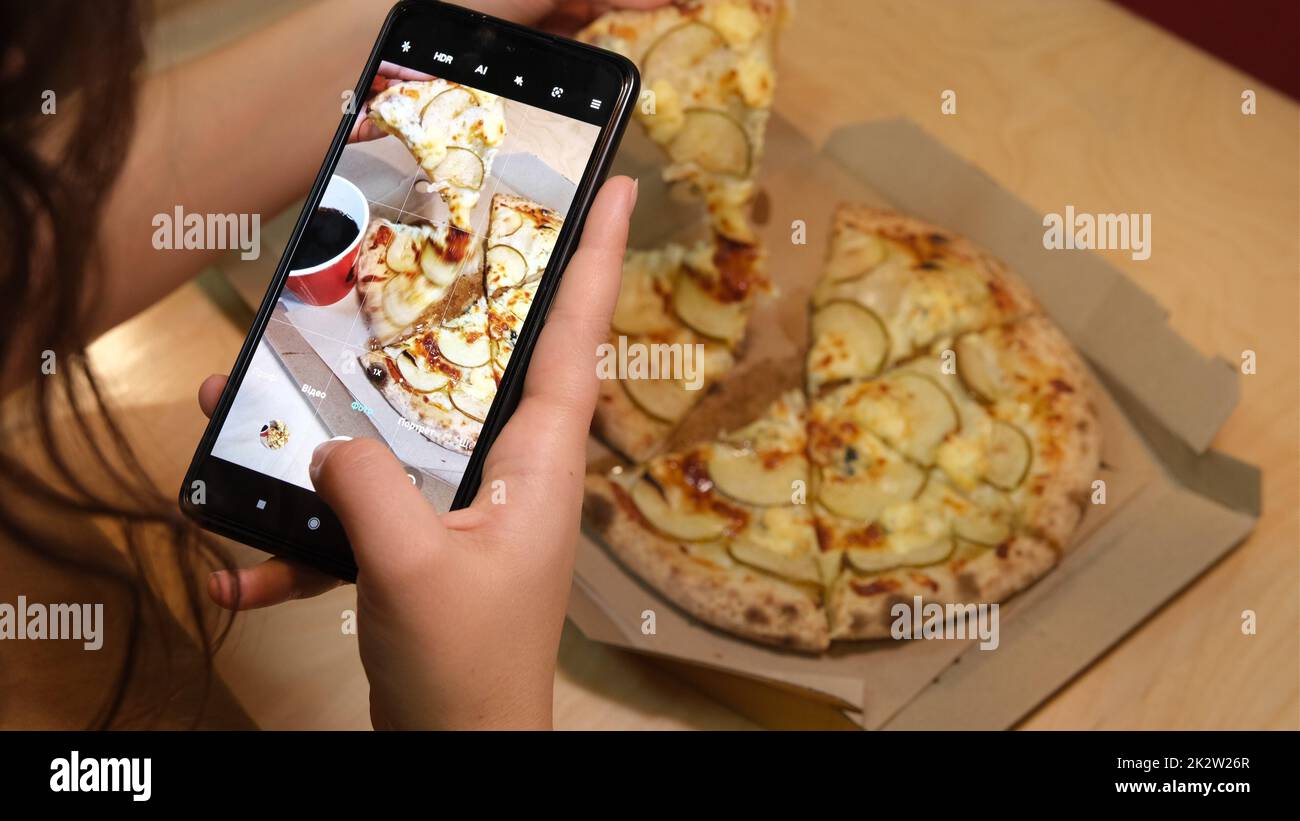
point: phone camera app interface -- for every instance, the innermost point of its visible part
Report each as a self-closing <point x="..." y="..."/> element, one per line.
<point x="407" y="292"/>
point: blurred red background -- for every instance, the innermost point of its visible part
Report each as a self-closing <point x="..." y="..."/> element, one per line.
<point x="1259" y="37"/>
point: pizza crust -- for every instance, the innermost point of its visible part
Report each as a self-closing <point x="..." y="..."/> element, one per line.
<point x="1067" y="440"/>
<point x="437" y="419"/>
<point x="737" y="599"/>
<point x="1011" y="296"/>
<point x="858" y="606"/>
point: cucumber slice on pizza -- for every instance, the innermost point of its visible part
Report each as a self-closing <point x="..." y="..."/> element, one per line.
<point x="922" y="286"/>
<point x="715" y="288"/>
<point x="684" y="305"/>
<point x="521" y="237"/>
<point x="645" y="297"/>
<point x="439" y="380"/>
<point x="728" y="545"/>
<point x="1003" y="484"/>
<point x="649" y="383"/>
<point x="453" y="132"/>
<point x="708" y="67"/>
<point x="406" y="273"/>
<point x="708" y="287"/>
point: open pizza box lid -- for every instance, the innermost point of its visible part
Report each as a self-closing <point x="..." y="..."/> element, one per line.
<point x="1171" y="507"/>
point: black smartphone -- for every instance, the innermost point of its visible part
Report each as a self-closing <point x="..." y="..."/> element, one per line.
<point x="406" y="303"/>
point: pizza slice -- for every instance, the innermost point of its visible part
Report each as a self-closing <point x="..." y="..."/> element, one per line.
<point x="521" y="238"/>
<point x="441" y="375"/>
<point x="453" y="132"/>
<point x="440" y="380"/>
<point x="716" y="286"/>
<point x="894" y="287"/>
<point x="719" y="528"/>
<point x="405" y="273"/>
<point x="707" y="67"/>
<point x="939" y="393"/>
<point x="674" y="335"/>
<point x="959" y="481"/>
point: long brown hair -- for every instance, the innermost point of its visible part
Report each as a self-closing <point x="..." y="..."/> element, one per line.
<point x="55" y="175"/>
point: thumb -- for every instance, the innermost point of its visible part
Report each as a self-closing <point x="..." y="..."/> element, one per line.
<point x="387" y="521"/>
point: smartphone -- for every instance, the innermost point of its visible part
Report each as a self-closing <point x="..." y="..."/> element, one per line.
<point x="408" y="299"/>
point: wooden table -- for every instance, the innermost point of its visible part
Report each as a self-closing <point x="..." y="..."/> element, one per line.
<point x="1073" y="102"/>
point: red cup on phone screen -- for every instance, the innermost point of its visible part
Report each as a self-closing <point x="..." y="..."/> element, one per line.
<point x="332" y="279"/>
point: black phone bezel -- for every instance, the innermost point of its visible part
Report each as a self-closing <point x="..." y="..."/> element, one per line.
<point x="326" y="547"/>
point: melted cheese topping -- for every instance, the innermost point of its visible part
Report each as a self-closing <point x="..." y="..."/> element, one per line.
<point x="777" y="538"/>
<point x="732" y="73"/>
<point x="417" y="113"/>
<point x="785" y="531"/>
<point x="736" y="21"/>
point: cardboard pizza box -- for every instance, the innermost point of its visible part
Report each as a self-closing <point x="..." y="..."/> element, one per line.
<point x="1171" y="507"/>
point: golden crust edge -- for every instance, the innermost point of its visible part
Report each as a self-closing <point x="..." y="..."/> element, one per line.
<point x="991" y="577"/>
<point x="740" y="601"/>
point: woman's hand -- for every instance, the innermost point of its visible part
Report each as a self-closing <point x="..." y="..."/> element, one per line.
<point x="459" y="615"/>
<point x="388" y="74"/>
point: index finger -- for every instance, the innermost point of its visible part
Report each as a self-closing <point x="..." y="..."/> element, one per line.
<point x="563" y="368"/>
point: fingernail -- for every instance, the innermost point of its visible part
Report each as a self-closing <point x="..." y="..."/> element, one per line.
<point x="636" y="187"/>
<point x="321" y="452"/>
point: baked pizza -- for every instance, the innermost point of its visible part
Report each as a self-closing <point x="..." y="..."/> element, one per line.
<point x="720" y="528"/>
<point x="707" y="66"/>
<point x="521" y="236"/>
<point x="441" y="372"/>
<point x="406" y="272"/>
<point x="453" y="132"/>
<point x="687" y="302"/>
<point x="438" y="376"/>
<point x="946" y="451"/>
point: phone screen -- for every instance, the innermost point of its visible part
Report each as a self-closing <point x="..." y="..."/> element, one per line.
<point x="423" y="264"/>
